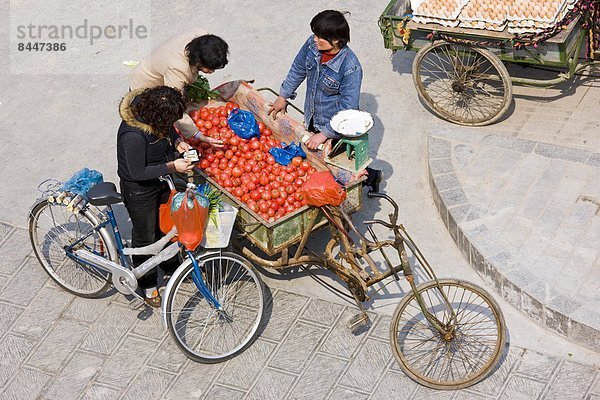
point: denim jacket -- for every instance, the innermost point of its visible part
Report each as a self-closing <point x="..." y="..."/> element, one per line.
<point x="330" y="87"/>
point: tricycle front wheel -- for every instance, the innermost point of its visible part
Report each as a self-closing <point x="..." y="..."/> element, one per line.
<point x="462" y="84"/>
<point x="466" y="353"/>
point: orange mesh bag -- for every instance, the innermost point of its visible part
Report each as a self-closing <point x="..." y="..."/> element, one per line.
<point x="321" y="189"/>
<point x="165" y="220"/>
<point x="190" y="218"/>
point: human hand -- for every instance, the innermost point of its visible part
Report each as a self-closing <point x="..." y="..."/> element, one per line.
<point x="212" y="141"/>
<point x="183" y="166"/>
<point x="316" y="140"/>
<point x="182" y="146"/>
<point x="279" y="105"/>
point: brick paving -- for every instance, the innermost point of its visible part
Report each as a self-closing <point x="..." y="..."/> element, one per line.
<point x="54" y="345"/>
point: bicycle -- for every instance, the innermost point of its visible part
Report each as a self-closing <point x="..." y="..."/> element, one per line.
<point x="214" y="302"/>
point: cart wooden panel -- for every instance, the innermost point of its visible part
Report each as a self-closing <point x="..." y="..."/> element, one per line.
<point x="554" y="52"/>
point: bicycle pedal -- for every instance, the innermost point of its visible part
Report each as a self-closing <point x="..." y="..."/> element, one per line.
<point x="359" y="323"/>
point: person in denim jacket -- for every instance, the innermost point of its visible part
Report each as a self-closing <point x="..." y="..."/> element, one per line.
<point x="333" y="77"/>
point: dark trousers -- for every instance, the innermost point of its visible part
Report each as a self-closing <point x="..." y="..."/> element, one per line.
<point x="142" y="203"/>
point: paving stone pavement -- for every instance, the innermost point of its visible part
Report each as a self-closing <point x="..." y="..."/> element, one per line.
<point x="526" y="216"/>
<point x="54" y="345"/>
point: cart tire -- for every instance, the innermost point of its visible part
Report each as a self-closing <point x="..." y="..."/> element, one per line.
<point x="465" y="356"/>
<point x="462" y="84"/>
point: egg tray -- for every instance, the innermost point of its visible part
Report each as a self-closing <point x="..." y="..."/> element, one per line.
<point x="482" y="25"/>
<point x="479" y="17"/>
<point x="420" y="17"/>
<point x="521" y="18"/>
<point x="444" y="22"/>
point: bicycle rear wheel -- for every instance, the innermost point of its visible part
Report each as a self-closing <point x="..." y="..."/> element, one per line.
<point x="463" y="357"/>
<point x="52" y="228"/>
<point x="208" y="335"/>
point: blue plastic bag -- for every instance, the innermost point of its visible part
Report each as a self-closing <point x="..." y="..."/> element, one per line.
<point x="243" y="123"/>
<point x="284" y="155"/>
<point x="82" y="181"/>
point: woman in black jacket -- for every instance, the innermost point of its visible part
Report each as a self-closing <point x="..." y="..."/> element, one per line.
<point x="147" y="148"/>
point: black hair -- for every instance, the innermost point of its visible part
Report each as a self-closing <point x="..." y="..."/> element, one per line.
<point x="207" y="51"/>
<point x="331" y="25"/>
<point x="159" y="107"/>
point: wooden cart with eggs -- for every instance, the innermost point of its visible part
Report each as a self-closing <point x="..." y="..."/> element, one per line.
<point x="462" y="46"/>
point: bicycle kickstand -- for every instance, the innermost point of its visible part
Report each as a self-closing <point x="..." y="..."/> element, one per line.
<point x="360" y="322"/>
<point x="137" y="302"/>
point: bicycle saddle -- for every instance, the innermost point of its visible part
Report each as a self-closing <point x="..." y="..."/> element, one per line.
<point x="104" y="194"/>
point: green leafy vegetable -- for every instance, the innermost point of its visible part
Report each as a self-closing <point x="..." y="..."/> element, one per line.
<point x="200" y="90"/>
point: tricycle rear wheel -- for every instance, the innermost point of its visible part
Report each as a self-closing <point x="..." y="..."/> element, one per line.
<point x="462" y="84"/>
<point x="469" y="350"/>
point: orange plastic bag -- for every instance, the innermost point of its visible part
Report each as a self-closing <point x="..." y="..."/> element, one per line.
<point x="321" y="189"/>
<point x="165" y="220"/>
<point x="190" y="220"/>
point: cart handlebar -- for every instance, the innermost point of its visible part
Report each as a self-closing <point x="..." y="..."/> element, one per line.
<point x="393" y="217"/>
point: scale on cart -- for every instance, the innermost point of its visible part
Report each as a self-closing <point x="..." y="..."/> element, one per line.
<point x="351" y="152"/>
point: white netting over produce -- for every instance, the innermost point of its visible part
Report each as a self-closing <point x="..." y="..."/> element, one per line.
<point x="518" y="16"/>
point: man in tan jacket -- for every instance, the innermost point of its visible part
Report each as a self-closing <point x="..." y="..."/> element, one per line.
<point x="176" y="63"/>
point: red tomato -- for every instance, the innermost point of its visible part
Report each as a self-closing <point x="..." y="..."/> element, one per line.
<point x="274" y="193"/>
<point x="254" y="145"/>
<point x="195" y="115"/>
<point x="238" y="192"/>
<point x="297" y="161"/>
<point x="266" y="133"/>
<point x="237" y="172"/>
<point x="289" y="178"/>
<point x="261" y="127"/>
<point x="266" y="195"/>
<point x="222" y="111"/>
<point x="299" y="196"/>
<point x="256" y="168"/>
<point x="289" y="189"/>
<point x="264" y="180"/>
<point x="270" y="159"/>
<point x="229" y="106"/>
<point x="263" y="206"/>
<point x="204" y="164"/>
<point x="255" y="195"/>
<point x="208" y="124"/>
<point x="299" y="182"/>
<point x="234" y="141"/>
<point x="223" y="122"/>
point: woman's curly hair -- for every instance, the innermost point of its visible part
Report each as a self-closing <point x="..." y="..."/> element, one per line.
<point x="159" y="107"/>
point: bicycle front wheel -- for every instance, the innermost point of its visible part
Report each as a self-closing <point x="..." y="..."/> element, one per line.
<point x="208" y="335"/>
<point x="465" y="355"/>
<point x="51" y="229"/>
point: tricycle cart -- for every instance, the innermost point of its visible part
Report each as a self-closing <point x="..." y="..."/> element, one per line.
<point x="445" y="334"/>
<point x="459" y="72"/>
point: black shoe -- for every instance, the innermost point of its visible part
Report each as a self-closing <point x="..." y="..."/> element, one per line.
<point x="374" y="178"/>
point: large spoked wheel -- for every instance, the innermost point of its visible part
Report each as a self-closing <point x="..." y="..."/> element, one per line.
<point x="51" y="229"/>
<point x="208" y="335"/>
<point x="460" y="358"/>
<point x="462" y="84"/>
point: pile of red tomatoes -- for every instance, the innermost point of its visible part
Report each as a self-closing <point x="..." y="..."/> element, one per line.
<point x="246" y="169"/>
